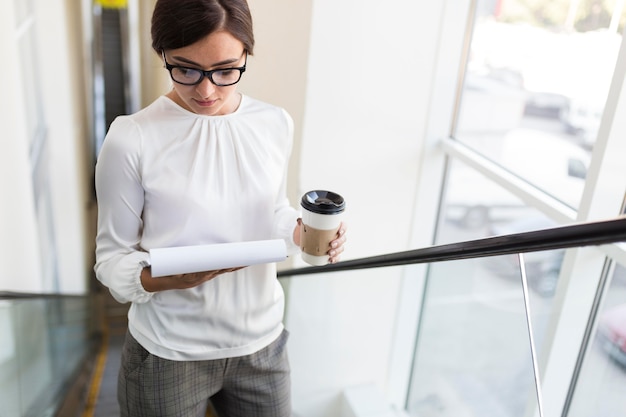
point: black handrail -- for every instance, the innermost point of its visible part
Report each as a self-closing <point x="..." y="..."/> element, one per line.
<point x="11" y="295"/>
<point x="560" y="237"/>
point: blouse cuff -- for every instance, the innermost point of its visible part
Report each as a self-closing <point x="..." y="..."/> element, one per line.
<point x="128" y="288"/>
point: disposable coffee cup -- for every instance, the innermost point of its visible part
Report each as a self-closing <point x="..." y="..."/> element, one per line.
<point x="322" y="212"/>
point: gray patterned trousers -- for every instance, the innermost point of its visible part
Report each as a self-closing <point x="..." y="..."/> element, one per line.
<point x="257" y="385"/>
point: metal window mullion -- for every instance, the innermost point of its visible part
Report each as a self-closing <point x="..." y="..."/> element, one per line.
<point x="528" y="193"/>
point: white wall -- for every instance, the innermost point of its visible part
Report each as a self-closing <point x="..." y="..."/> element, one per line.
<point x="278" y="69"/>
<point x="370" y="70"/>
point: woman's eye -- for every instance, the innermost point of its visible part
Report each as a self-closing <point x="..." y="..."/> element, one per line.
<point x="183" y="72"/>
<point x="190" y="72"/>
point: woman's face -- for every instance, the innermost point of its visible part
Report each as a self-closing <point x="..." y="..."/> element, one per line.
<point x="216" y="51"/>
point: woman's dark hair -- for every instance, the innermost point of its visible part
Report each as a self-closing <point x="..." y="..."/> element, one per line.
<point x="178" y="23"/>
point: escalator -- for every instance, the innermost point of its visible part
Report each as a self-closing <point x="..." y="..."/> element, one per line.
<point x="60" y="353"/>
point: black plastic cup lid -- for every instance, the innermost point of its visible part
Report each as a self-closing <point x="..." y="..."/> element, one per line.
<point x="323" y="202"/>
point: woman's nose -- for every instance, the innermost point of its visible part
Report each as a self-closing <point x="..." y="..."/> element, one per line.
<point x="205" y="88"/>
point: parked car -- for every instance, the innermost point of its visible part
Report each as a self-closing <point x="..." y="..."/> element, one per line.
<point x="612" y="333"/>
<point x="545" y="104"/>
<point x="582" y="116"/>
<point x="549" y="162"/>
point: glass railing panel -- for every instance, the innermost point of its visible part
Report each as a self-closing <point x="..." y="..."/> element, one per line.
<point x="9" y="371"/>
<point x="600" y="385"/>
<point x="33" y="358"/>
<point x="473" y="355"/>
<point x="45" y="341"/>
<point x="70" y="335"/>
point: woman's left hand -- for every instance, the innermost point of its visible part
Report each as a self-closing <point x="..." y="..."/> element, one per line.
<point x="336" y="245"/>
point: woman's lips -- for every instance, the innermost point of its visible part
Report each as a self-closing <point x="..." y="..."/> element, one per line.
<point x="205" y="103"/>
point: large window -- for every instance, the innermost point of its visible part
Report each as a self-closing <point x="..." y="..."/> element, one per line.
<point x="530" y="105"/>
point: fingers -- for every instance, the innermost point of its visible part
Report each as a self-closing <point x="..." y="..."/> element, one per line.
<point x="337" y="245"/>
<point x="197" y="278"/>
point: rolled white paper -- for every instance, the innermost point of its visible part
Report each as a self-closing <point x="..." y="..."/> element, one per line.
<point x="189" y="259"/>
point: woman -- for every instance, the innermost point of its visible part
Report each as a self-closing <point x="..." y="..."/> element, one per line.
<point x="202" y="164"/>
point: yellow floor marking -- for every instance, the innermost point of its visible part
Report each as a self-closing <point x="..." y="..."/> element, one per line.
<point x="96" y="379"/>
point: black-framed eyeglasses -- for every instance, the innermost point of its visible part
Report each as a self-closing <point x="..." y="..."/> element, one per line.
<point x="221" y="77"/>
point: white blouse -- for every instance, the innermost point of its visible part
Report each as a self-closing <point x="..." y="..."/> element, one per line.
<point x="168" y="177"/>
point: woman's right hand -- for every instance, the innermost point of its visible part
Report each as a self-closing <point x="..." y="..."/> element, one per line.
<point x="179" y="282"/>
